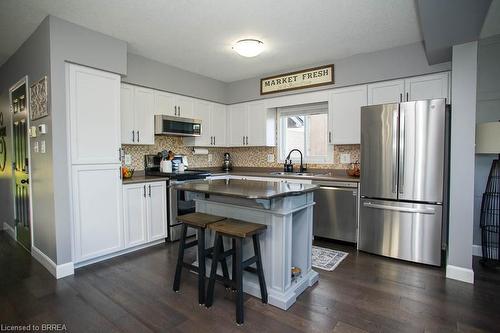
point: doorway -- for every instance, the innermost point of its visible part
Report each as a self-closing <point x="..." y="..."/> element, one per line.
<point x="19" y="107"/>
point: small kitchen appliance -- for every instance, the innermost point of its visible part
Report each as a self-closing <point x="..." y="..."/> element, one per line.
<point x="227" y="165"/>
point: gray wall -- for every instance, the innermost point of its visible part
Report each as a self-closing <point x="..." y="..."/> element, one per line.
<point x="488" y="109"/>
<point x="73" y="43"/>
<point x="31" y="59"/>
<point x="402" y="61"/>
<point x="462" y="157"/>
<point x="153" y="74"/>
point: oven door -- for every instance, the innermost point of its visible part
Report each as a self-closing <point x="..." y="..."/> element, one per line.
<point x="168" y="125"/>
<point x="180" y="203"/>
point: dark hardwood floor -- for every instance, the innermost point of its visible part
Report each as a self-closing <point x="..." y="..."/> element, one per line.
<point x="133" y="293"/>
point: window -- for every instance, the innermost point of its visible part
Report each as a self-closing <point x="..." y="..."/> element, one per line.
<point x="305" y="128"/>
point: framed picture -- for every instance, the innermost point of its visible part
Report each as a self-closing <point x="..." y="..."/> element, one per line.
<point x="39" y="107"/>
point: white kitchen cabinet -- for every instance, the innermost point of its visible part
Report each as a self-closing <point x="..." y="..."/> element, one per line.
<point x="97" y="211"/>
<point x="427" y="87"/>
<point x="386" y="92"/>
<point x="251" y="124"/>
<point x="410" y="89"/>
<point x="185" y="106"/>
<point x="218" y="125"/>
<point x="156" y="210"/>
<point x="145" y="212"/>
<point x="94" y="115"/>
<point x="344" y="109"/>
<point x="134" y="214"/>
<point x="165" y="104"/>
<point x="213" y="130"/>
<point x="137" y="110"/>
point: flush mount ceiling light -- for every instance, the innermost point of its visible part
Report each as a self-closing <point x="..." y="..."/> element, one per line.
<point x="248" y="47"/>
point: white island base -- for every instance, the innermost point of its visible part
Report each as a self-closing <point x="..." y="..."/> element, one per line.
<point x="286" y="242"/>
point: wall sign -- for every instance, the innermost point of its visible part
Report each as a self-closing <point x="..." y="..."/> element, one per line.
<point x="307" y="78"/>
<point x="38" y="99"/>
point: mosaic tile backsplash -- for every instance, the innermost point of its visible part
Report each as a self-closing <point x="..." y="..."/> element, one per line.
<point x="241" y="156"/>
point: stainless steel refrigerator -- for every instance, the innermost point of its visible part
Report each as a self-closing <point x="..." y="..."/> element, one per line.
<point x="403" y="180"/>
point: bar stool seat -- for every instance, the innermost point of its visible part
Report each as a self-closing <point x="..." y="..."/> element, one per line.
<point x="238" y="231"/>
<point x="198" y="221"/>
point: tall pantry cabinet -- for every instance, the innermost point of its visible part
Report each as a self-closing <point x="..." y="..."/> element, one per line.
<point x="95" y="150"/>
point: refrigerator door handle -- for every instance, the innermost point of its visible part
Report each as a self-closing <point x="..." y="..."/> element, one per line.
<point x="430" y="211"/>
<point x="395" y="151"/>
<point x="402" y="150"/>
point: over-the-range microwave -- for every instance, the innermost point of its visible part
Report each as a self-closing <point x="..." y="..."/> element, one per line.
<point x="169" y="125"/>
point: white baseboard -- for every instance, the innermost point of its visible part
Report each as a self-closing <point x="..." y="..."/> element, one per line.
<point x="9" y="230"/>
<point x="460" y="274"/>
<point x="58" y="271"/>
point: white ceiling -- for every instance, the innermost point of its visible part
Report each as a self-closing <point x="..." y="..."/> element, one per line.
<point x="491" y="24"/>
<point x="197" y="35"/>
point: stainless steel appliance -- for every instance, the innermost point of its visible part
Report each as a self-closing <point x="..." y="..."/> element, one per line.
<point x="178" y="202"/>
<point x="226" y="164"/>
<point x="177" y="126"/>
<point x="403" y="179"/>
<point x="335" y="211"/>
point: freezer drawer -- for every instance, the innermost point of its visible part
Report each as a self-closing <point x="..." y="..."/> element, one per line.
<point x="400" y="230"/>
<point x="335" y="213"/>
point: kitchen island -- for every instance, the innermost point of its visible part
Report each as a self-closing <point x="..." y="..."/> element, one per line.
<point x="287" y="211"/>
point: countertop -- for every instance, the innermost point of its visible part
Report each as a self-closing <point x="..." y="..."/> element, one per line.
<point x="321" y="174"/>
<point x="247" y="189"/>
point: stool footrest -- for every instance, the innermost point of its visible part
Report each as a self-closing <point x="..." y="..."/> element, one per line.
<point x="191" y="244"/>
<point x="249" y="262"/>
<point x="251" y="270"/>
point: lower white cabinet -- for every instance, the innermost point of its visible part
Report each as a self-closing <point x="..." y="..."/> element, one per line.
<point x="97" y="210"/>
<point x="144" y="212"/>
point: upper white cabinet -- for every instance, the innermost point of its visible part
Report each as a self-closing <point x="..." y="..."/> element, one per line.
<point x="144" y="212"/>
<point x="137" y="112"/>
<point x="213" y="125"/>
<point x="94" y="112"/>
<point x="411" y="89"/>
<point x="184" y="105"/>
<point x="344" y="110"/>
<point x="386" y="92"/>
<point x="427" y="87"/>
<point x="164" y="104"/>
<point x="251" y="124"/>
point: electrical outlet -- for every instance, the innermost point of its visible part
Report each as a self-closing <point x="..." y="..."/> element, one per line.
<point x="270" y="158"/>
<point x="42" y="146"/>
<point x="36" y="147"/>
<point x="345" y="158"/>
<point x="128" y="159"/>
<point x="209" y="158"/>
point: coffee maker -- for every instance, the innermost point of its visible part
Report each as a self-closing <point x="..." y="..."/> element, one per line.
<point x="227" y="165"/>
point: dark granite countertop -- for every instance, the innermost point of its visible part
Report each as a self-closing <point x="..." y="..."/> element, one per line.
<point x="247" y="189"/>
<point x="141" y="178"/>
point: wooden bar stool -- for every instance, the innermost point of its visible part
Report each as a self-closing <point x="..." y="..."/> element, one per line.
<point x="198" y="221"/>
<point x="238" y="231"/>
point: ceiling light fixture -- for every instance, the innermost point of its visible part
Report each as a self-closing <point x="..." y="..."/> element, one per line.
<point x="248" y="47"/>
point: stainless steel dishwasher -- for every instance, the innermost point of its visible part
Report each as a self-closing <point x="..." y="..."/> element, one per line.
<point x="336" y="211"/>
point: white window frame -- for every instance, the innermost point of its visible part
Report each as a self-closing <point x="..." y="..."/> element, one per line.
<point x="306" y="109"/>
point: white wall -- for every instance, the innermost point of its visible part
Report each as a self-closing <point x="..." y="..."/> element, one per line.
<point x="488" y="109"/>
<point x="463" y="119"/>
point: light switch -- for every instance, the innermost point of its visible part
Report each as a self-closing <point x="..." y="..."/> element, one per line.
<point x="33" y="132"/>
<point x="36" y="147"/>
<point x="128" y="159"/>
<point x="270" y="158"/>
<point x="210" y="158"/>
<point x="42" y="146"/>
<point x="42" y="129"/>
<point x="345" y="158"/>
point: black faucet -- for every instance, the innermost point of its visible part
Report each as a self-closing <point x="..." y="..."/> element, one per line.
<point x="302" y="169"/>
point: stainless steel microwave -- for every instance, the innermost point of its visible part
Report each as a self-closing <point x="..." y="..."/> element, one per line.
<point x="169" y="125"/>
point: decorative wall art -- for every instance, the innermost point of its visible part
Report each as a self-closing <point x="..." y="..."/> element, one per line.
<point x="39" y="99"/>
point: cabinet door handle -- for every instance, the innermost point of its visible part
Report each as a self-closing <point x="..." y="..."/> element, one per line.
<point x="138" y="137"/>
<point x="400" y="97"/>
<point x="214" y="140"/>
<point x="247" y="140"/>
<point x="150" y="191"/>
<point x="133" y="136"/>
<point x="175" y="110"/>
<point x="120" y="172"/>
<point x="211" y="140"/>
<point x="179" y="110"/>
<point x="144" y="191"/>
<point x="407" y="97"/>
<point x="329" y="137"/>
<point x="243" y="140"/>
<point x="120" y="154"/>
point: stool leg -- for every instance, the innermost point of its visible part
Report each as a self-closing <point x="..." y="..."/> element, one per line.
<point x="233" y="273"/>
<point x="225" y="271"/>
<point x="213" y="271"/>
<point x="260" y="270"/>
<point x="201" y="266"/>
<point x="180" y="258"/>
<point x="239" y="281"/>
